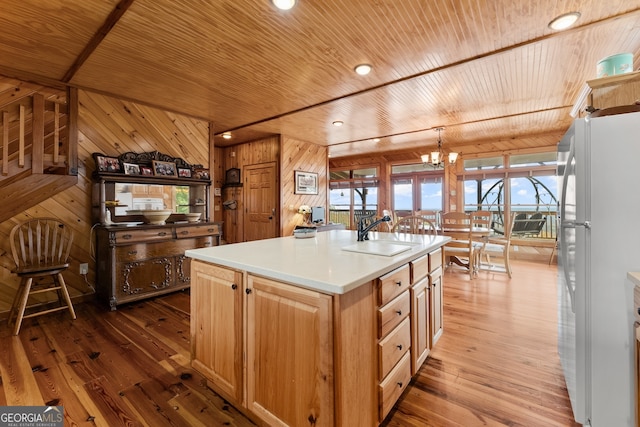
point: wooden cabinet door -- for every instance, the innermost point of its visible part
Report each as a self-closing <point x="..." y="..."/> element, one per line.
<point x="290" y="378"/>
<point x="435" y="279"/>
<point x="420" y="324"/>
<point x="216" y="327"/>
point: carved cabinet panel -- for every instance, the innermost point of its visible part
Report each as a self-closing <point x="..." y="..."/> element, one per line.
<point x="134" y="263"/>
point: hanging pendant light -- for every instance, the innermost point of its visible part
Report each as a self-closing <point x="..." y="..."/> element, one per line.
<point x="438" y="156"/>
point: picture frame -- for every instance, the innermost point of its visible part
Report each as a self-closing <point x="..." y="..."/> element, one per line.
<point x="131" y="168"/>
<point x="164" y="168"/>
<point x="305" y="182"/>
<point x="200" y="173"/>
<point x="184" y="173"/>
<point x="107" y="164"/>
<point x="146" y="171"/>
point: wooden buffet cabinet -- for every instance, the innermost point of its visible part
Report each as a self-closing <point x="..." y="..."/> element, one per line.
<point x="287" y="355"/>
<point x="135" y="260"/>
<point x="143" y="261"/>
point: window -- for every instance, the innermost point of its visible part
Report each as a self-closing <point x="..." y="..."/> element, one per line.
<point x="352" y="193"/>
<point x="416" y="187"/>
<point x="527" y="186"/>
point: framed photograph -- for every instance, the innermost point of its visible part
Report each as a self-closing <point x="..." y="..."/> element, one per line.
<point x="305" y="182"/>
<point x="164" y="168"/>
<point x="201" y="173"/>
<point x="107" y="164"/>
<point x="184" y="173"/>
<point x="146" y="170"/>
<point x="131" y="168"/>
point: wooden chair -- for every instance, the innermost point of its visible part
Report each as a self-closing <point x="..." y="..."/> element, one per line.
<point x="457" y="225"/>
<point x="40" y="249"/>
<point x="499" y="245"/>
<point x="414" y="225"/>
<point x="431" y="215"/>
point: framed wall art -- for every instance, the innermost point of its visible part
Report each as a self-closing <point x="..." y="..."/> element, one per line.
<point x="107" y="164"/>
<point x="184" y="173"/>
<point x="131" y="168"/>
<point x="305" y="182"/>
<point x="164" y="168"/>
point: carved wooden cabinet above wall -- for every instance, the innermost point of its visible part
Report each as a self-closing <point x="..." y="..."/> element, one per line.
<point x="134" y="258"/>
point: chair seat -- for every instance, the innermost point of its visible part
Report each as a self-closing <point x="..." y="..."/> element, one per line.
<point x="41" y="270"/>
<point x="494" y="247"/>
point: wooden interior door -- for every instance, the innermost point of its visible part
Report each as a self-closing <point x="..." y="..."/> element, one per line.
<point x="261" y="202"/>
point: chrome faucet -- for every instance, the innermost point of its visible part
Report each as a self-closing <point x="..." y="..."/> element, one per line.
<point x="363" y="231"/>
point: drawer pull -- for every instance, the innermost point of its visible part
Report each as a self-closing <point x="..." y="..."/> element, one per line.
<point x="399" y="346"/>
<point x="127" y="236"/>
<point x="234" y="286"/>
<point x="400" y="384"/>
<point x="162" y="233"/>
<point x="399" y="282"/>
<point x="133" y="252"/>
<point x="399" y="312"/>
<point x="184" y="232"/>
<point x="248" y="291"/>
<point x="212" y="230"/>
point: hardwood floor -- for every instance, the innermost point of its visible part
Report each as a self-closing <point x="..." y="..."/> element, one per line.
<point x="495" y="365"/>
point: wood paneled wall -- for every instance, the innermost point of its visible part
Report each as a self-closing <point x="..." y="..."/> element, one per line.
<point x="290" y="155"/>
<point x="111" y="126"/>
<point x="307" y="157"/>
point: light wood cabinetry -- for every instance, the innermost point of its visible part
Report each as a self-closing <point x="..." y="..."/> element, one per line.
<point x="217" y="326"/>
<point x="289" y="354"/>
<point x="134" y="263"/>
<point x="310" y="358"/>
<point x="426" y="306"/>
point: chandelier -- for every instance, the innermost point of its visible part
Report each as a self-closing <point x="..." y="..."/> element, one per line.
<point x="437" y="157"/>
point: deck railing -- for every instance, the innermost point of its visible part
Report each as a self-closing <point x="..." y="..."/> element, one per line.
<point x="547" y="231"/>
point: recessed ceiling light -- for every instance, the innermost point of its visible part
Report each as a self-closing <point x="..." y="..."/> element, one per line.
<point x="363" y="69"/>
<point x="376" y="139"/>
<point x="564" y="21"/>
<point x="338" y="123"/>
<point x="284" y="4"/>
<point x="226" y="135"/>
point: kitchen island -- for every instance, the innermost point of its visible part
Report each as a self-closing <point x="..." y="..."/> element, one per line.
<point x="317" y="331"/>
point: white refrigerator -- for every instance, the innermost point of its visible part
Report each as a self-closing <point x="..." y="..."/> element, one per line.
<point x="598" y="243"/>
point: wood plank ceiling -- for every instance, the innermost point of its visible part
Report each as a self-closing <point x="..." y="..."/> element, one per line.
<point x="487" y="71"/>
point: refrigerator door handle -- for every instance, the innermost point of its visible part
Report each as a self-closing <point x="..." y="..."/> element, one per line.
<point x="574" y="224"/>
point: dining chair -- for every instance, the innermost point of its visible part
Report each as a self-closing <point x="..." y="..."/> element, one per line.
<point x="431" y="215"/>
<point x="40" y="248"/>
<point x="413" y="224"/>
<point x="499" y="245"/>
<point x="457" y="225"/>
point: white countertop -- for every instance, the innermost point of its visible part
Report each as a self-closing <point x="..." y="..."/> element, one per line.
<point x="317" y="263"/>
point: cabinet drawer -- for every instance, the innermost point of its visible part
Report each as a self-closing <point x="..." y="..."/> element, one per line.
<point x="393" y="313"/>
<point x="139" y="251"/>
<point x="393" y="385"/>
<point x="435" y="259"/>
<point x="393" y="347"/>
<point x="197" y="230"/>
<point x="419" y="268"/>
<point x="142" y="235"/>
<point x="392" y="284"/>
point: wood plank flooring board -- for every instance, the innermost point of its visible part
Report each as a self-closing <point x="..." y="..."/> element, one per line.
<point x="495" y="365"/>
<point x="143" y="340"/>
